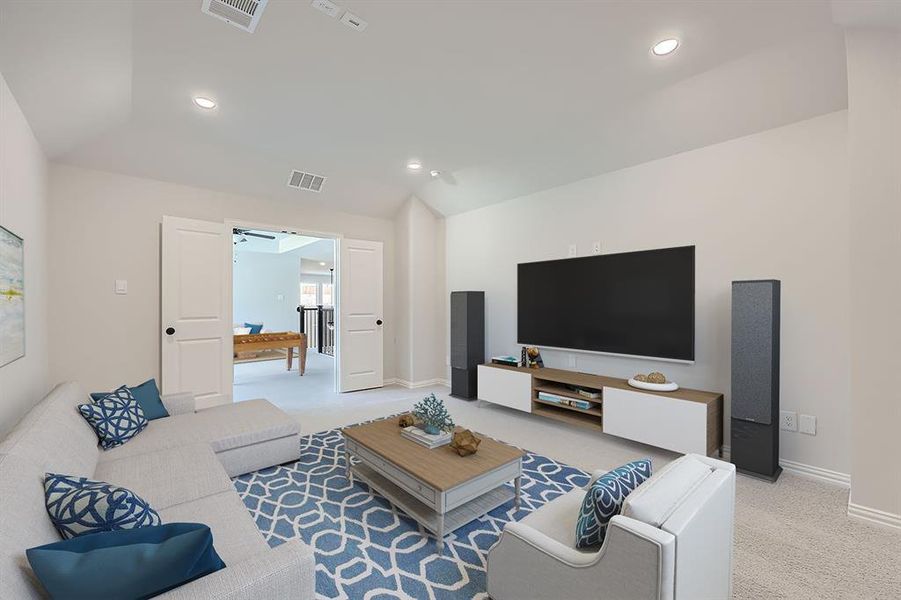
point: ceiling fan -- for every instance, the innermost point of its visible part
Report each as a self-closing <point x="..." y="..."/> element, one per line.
<point x="245" y="232"/>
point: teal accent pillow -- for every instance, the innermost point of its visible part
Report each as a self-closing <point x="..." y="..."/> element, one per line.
<point x="605" y="498"/>
<point x="136" y="563"/>
<point x="116" y="418"/>
<point x="78" y="505"/>
<point x="254" y="328"/>
<point x="147" y="395"/>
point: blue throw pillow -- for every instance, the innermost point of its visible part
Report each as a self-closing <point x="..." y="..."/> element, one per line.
<point x="78" y="506"/>
<point x="604" y="499"/>
<point x="116" y="417"/>
<point x="138" y="563"/>
<point x="148" y="396"/>
<point x="254" y="328"/>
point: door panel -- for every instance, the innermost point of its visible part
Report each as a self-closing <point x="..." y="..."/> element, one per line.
<point x="197" y="336"/>
<point x="360" y="315"/>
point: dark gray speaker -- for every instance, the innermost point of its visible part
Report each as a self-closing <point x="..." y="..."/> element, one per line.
<point x="755" y="377"/>
<point x="467" y="341"/>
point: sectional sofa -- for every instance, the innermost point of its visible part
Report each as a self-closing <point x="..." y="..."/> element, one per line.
<point x="181" y="465"/>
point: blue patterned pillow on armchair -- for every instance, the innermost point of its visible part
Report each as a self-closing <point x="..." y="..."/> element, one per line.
<point x="78" y="505"/>
<point x="116" y="417"/>
<point x="604" y="499"/>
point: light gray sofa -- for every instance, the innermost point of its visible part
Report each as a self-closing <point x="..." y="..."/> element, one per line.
<point x="673" y="541"/>
<point x="181" y="465"/>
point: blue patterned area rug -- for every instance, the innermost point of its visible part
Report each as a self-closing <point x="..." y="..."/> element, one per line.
<point x="366" y="548"/>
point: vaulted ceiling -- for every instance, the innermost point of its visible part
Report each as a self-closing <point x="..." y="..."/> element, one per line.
<point x="504" y="98"/>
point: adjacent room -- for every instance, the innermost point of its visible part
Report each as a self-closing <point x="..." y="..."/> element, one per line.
<point x="283" y="301"/>
<point x="450" y="299"/>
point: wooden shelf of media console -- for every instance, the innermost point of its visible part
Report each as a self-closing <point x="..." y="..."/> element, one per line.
<point x="555" y="381"/>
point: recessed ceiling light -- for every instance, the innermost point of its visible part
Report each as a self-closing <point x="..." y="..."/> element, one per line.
<point x="414" y="165"/>
<point x="322" y="264"/>
<point x="434" y="173"/>
<point x="664" y="47"/>
<point x="204" y="102"/>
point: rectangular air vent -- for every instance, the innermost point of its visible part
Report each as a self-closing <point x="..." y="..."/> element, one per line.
<point x="306" y="181"/>
<point x="243" y="14"/>
<point x="354" y="22"/>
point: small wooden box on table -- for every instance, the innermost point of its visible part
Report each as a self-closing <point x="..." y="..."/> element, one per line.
<point x="439" y="489"/>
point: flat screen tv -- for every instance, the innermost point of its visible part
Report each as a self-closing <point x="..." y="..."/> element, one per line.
<point x="633" y="303"/>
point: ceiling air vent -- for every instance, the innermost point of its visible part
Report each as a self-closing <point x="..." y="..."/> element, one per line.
<point x="243" y="14"/>
<point x="306" y="181"/>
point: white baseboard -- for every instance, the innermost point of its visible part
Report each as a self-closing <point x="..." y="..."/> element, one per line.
<point x="412" y="385"/>
<point x="872" y="515"/>
<point x="827" y="475"/>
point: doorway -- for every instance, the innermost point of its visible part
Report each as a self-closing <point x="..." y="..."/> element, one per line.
<point x="284" y="298"/>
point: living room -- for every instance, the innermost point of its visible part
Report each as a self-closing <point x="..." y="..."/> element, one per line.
<point x="448" y="150"/>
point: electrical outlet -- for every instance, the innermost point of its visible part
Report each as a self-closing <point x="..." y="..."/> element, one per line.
<point x="788" y="421"/>
<point x="572" y="251"/>
<point x="807" y="424"/>
<point x="596" y="248"/>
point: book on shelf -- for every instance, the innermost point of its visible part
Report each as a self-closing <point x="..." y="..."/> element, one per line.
<point x="510" y="361"/>
<point x="548" y="397"/>
<point x="585" y="393"/>
<point x="428" y="440"/>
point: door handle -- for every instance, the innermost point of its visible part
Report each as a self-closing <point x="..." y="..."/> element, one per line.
<point x="170" y="331"/>
<point x="378" y="322"/>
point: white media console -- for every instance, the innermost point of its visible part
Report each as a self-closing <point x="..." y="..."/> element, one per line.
<point x="687" y="421"/>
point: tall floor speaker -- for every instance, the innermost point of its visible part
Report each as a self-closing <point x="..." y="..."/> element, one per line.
<point x="755" y="378"/>
<point x="467" y="342"/>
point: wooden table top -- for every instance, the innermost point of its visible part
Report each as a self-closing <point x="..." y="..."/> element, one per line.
<point x="441" y="468"/>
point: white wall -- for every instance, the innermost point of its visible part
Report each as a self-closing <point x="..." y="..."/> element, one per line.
<point x="770" y="205"/>
<point x="421" y="343"/>
<point x="23" y="210"/>
<point x="874" y="109"/>
<point x="260" y="278"/>
<point x="106" y="226"/>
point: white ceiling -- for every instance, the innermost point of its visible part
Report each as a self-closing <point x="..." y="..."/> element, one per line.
<point x="505" y="98"/>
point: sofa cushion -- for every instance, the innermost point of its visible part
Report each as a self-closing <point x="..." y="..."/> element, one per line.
<point x="78" y="506"/>
<point x="148" y="397"/>
<point x="138" y="563"/>
<point x="604" y="500"/>
<point x="222" y="427"/>
<point x="54" y="436"/>
<point x="23" y="523"/>
<point x="116" y="417"/>
<point x="656" y="500"/>
<point x="169" y="477"/>
<point x="235" y="534"/>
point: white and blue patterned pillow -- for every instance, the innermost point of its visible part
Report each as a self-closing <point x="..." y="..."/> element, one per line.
<point x="604" y="499"/>
<point x="78" y="505"/>
<point x="116" y="417"/>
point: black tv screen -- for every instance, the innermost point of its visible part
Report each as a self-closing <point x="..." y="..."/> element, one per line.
<point x="635" y="303"/>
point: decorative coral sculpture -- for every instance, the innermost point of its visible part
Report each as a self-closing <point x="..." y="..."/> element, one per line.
<point x="432" y="415"/>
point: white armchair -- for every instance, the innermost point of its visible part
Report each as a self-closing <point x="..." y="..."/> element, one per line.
<point x="673" y="541"/>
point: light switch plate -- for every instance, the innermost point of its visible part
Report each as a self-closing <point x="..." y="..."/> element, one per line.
<point x="807" y="424"/>
<point x="121" y="286"/>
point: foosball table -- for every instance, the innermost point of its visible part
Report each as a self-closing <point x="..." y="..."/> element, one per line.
<point x="285" y="340"/>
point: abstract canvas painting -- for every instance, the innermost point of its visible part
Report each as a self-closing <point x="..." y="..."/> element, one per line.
<point x="12" y="297"/>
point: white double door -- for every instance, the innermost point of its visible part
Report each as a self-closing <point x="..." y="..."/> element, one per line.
<point x="196" y="311"/>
